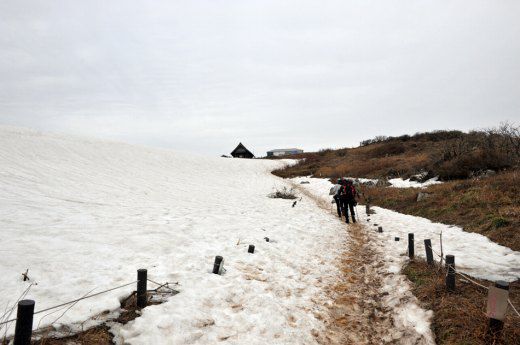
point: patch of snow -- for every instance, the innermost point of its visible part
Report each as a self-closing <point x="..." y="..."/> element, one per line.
<point x="400" y="183"/>
<point x="475" y="254"/>
<point x="83" y="214"/>
<point x="364" y="180"/>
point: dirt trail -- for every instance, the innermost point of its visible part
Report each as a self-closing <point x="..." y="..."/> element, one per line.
<point x="360" y="314"/>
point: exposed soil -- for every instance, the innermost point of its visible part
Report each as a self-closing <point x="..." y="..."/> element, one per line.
<point x="358" y="317"/>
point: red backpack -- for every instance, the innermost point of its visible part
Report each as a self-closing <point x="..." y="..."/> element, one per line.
<point x="349" y="191"/>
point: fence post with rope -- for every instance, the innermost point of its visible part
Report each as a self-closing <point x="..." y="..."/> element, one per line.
<point x="450" y="275"/>
<point x="498" y="297"/>
<point x="142" y="297"/>
<point x="411" y="250"/>
<point x="429" y="253"/>
<point x="499" y="304"/>
<point x="25" y="311"/>
<point x="24" y="322"/>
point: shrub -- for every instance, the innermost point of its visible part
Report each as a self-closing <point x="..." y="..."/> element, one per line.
<point x="499" y="222"/>
<point x="323" y="152"/>
<point x="284" y="193"/>
<point x="388" y="149"/>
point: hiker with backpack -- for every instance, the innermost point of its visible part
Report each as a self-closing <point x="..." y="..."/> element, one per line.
<point x="347" y="198"/>
<point x="335" y="190"/>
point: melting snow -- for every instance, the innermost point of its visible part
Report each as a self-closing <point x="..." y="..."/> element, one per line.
<point x="474" y="254"/>
<point x="83" y="214"/>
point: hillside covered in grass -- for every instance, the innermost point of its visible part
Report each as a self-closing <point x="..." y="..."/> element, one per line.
<point x="447" y="154"/>
<point x="480" y="171"/>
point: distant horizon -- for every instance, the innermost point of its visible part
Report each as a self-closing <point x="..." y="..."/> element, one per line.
<point x="233" y="146"/>
<point x="203" y="76"/>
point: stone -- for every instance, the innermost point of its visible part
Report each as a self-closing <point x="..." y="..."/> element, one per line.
<point x="423" y="195"/>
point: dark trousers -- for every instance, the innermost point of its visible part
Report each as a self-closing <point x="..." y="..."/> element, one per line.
<point x="338" y="204"/>
<point x="347" y="204"/>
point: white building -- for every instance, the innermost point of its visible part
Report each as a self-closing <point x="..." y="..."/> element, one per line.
<point x="283" y="152"/>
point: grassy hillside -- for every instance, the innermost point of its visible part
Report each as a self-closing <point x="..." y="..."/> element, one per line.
<point x="447" y="154"/>
<point x="486" y="205"/>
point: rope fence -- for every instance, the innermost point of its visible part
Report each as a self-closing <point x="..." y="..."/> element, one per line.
<point x="498" y="295"/>
<point x="71" y="302"/>
<point x="466" y="277"/>
<point x="25" y="314"/>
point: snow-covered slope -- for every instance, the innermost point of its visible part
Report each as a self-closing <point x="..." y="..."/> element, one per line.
<point x="83" y="214"/>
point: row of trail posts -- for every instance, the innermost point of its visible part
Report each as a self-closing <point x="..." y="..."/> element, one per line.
<point x="25" y="311"/>
<point x="498" y="295"/>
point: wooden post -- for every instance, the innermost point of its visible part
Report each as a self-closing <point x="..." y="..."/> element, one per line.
<point x="142" y="280"/>
<point x="429" y="252"/>
<point x="24" y="322"/>
<point x="496" y="308"/>
<point x="218" y="264"/>
<point x="380" y="229"/>
<point x="251" y="249"/>
<point x="367" y="209"/>
<point x="411" y="249"/>
<point x="450" y="277"/>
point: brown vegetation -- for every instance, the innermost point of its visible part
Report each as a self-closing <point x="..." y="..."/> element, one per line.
<point x="489" y="206"/>
<point x="447" y="154"/>
<point x="460" y="317"/>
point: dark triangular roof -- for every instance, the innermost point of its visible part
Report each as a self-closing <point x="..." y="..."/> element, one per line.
<point x="241" y="150"/>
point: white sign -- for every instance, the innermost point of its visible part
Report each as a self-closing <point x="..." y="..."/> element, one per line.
<point x="497" y="303"/>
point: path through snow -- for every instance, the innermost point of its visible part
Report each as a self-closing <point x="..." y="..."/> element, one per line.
<point x="373" y="303"/>
<point x="474" y="254"/>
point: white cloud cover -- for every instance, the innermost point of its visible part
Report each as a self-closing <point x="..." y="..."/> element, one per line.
<point x="203" y="75"/>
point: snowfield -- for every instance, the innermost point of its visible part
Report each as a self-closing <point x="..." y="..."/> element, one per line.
<point x="474" y="254"/>
<point x="85" y="214"/>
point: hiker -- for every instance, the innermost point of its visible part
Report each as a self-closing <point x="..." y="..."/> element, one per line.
<point x="348" y="195"/>
<point x="335" y="192"/>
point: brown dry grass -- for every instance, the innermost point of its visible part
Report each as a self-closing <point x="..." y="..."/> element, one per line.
<point x="488" y="206"/>
<point x="95" y="336"/>
<point x="376" y="160"/>
<point x="459" y="317"/>
<point x="448" y="154"/>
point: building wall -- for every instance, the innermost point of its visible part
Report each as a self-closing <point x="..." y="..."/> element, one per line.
<point x="283" y="153"/>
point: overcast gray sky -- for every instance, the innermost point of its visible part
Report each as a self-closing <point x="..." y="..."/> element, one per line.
<point x="203" y="75"/>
